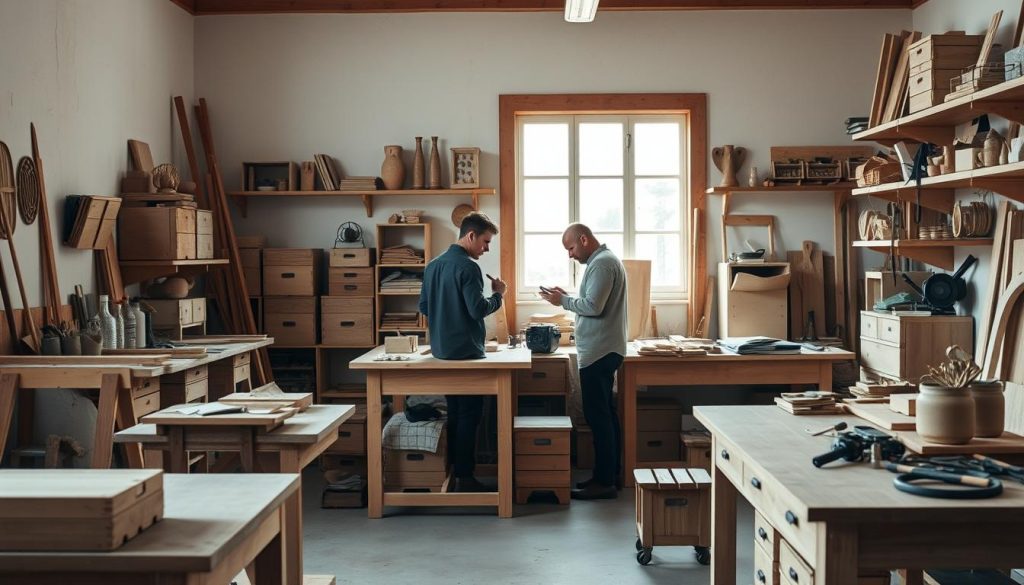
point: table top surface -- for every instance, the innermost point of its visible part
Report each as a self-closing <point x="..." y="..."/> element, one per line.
<point x="504" y="359"/>
<point x="830" y="354"/>
<point x="776" y="445"/>
<point x="206" y="517"/>
<point x="307" y="427"/>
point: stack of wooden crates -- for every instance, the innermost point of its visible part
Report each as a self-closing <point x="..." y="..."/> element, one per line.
<point x="290" y="287"/>
<point x="934" y="61"/>
<point x="347" y="312"/>
<point x="658" y="422"/>
<point x="540" y="448"/>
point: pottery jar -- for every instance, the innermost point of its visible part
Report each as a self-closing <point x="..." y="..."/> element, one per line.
<point x="392" y="170"/>
<point x="945" y="415"/>
<point x="989" y="408"/>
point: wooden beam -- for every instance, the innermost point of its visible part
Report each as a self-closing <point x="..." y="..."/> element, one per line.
<point x="203" y="7"/>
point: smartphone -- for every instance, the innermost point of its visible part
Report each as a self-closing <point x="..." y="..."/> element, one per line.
<point x="545" y="289"/>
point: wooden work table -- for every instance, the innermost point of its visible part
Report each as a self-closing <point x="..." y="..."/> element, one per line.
<point x="845" y="516"/>
<point x="728" y="369"/>
<point x="115" y="383"/>
<point x="213" y="527"/>
<point x="425" y="374"/>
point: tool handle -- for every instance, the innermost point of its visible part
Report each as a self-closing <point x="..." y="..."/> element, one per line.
<point x="935" y="474"/>
<point x="829" y="457"/>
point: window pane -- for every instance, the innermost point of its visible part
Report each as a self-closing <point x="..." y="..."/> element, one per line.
<point x="657" y="204"/>
<point x="545" y="205"/>
<point x="601" y="204"/>
<point x="657" y="148"/>
<point x="663" y="252"/>
<point x="614" y="243"/>
<point x="545" y="261"/>
<point x="545" y="150"/>
<point x="600" y="149"/>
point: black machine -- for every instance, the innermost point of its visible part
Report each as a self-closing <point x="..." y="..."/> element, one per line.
<point x="942" y="291"/>
<point x="349" y="235"/>
<point x="543" y="338"/>
<point x="854" y="445"/>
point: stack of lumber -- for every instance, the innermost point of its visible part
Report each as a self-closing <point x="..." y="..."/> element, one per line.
<point x="672" y="348"/>
<point x="801" y="403"/>
<point x="403" y="254"/>
<point x="92" y="219"/>
<point x="397" y="321"/>
<point x="892" y="79"/>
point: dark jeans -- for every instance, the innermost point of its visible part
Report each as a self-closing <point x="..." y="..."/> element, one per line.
<point x="464" y="413"/>
<point x="600" y="410"/>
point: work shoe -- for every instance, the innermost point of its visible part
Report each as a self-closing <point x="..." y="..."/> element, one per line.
<point x="595" y="491"/>
<point x="470" y="485"/>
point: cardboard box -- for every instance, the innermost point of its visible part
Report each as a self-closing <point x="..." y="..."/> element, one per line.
<point x="966" y="159"/>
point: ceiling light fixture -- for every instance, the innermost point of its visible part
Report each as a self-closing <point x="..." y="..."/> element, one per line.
<point x="580" y="10"/>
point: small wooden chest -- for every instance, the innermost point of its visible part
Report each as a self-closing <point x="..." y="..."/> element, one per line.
<point x="157" y="233"/>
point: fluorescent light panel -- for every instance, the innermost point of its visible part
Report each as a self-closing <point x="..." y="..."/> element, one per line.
<point x="580" y="10"/>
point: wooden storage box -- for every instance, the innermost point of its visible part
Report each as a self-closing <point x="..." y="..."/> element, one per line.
<point x="753" y="299"/>
<point x="204" y="234"/>
<point x="291" y="321"/>
<point x="657" y="446"/>
<point x="902" y="347"/>
<point x="347" y="321"/>
<point x="77" y="510"/>
<point x="351" y="257"/>
<point x="291" y="271"/>
<point x="417" y="471"/>
<point x="944" y="51"/>
<point x="541" y="454"/>
<point x="344" y="463"/>
<point x="351" y="439"/>
<point x="156" y="233"/>
<point x="673" y="508"/>
<point x="659" y="414"/>
<point x="350" y="282"/>
<point x="545" y="376"/>
<point x="171" y="316"/>
<point x="696" y="446"/>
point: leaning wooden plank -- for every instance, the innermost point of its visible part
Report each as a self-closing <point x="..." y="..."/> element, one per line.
<point x="1000" y="323"/>
<point x="900" y="78"/>
<point x="51" y="285"/>
<point x="878" y="97"/>
<point x="990" y="35"/>
<point x="989" y="306"/>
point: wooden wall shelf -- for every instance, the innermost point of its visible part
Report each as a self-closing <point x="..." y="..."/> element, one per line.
<point x="936" y="124"/>
<point x="841" y="186"/>
<point x="242" y="197"/>
<point x="934" y="252"/>
<point x="133" y="271"/>
<point x="1005" y="179"/>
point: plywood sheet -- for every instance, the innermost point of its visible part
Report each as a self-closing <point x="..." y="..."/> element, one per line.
<point x="638" y="296"/>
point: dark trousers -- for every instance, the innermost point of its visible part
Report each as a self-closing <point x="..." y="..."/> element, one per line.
<point x="602" y="415"/>
<point x="464" y="413"/>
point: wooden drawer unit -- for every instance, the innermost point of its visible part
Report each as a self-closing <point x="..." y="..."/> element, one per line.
<point x="157" y="233"/>
<point x="187" y="376"/>
<point x="540" y="463"/>
<point x="291" y="271"/>
<point x="868" y="325"/>
<point x="347" y="321"/>
<point x="545" y="376"/>
<point x="539" y="442"/>
<point x="351" y="439"/>
<point x="147" y="404"/>
<point x="351" y="257"/>
<point x="945" y="51"/>
<point x="727" y="459"/>
<point x="657" y="446"/>
<point x="291" y="321"/>
<point x="792" y="568"/>
<point x="350" y="282"/>
<point x="765" y="535"/>
<point x="541" y="456"/>
<point x="178" y="312"/>
<point x="204" y="246"/>
<point x="144" y="386"/>
<point x="904" y="346"/>
<point x="204" y="222"/>
<point x="766" y="570"/>
<point x="787" y="516"/>
<point x="172" y="394"/>
<point x="560" y="478"/>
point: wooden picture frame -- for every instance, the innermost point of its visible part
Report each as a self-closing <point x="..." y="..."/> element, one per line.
<point x="465" y="168"/>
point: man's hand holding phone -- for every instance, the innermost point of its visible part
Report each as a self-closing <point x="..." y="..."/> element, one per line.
<point x="552" y="295"/>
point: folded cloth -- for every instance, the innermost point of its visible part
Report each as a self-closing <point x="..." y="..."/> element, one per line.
<point x="758" y="345"/>
<point x="400" y="433"/>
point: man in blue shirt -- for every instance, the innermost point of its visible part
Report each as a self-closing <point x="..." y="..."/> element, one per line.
<point x="452" y="299"/>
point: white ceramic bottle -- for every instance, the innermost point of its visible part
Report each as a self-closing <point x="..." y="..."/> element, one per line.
<point x="119" y="325"/>
<point x="140" y="326"/>
<point x="108" y="324"/>
<point x="130" y="328"/>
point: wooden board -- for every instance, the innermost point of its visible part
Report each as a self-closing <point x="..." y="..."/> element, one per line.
<point x="70" y="361"/>
<point x="1007" y="444"/>
<point x="990" y="35"/>
<point x="797" y="313"/>
<point x="142" y="158"/>
<point x="171" y="417"/>
<point x="882" y="416"/>
<point x="898" y="88"/>
<point x="878" y="96"/>
<point x="814" y="285"/>
<point x="993" y="288"/>
<point x="638" y="296"/>
<point x="300" y="400"/>
<point x="175" y="352"/>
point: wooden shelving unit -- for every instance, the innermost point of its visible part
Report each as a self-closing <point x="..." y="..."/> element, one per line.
<point x="242" y="197"/>
<point x="936" y="124"/>
<point x="934" y="252"/>
<point x="1005" y="179"/>
<point x="133" y="271"/>
<point x="821" y="188"/>
<point x="390" y="234"/>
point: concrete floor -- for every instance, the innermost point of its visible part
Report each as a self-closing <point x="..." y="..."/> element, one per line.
<point x="586" y="542"/>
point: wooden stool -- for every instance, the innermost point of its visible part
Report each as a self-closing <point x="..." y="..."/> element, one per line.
<point x="541" y="452"/>
<point x="673" y="508"/>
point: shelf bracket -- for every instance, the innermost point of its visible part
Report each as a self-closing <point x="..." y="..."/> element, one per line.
<point x="934" y="134"/>
<point x="368" y="204"/>
<point x="1011" y="110"/>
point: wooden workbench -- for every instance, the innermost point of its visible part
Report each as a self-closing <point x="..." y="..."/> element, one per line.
<point x="115" y="383"/>
<point x="807" y="367"/>
<point x="843" y="517"/>
<point x="425" y="374"/>
<point x="213" y="527"/>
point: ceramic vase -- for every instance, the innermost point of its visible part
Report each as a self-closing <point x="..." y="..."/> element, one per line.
<point x="392" y="170"/>
<point x="752" y="177"/>
<point x="108" y="325"/>
<point x="948" y="159"/>
<point x="945" y="415"/>
<point x="118" y="326"/>
<point x="435" y="164"/>
<point x="989" y="408"/>
<point x="130" y="327"/>
<point x="728" y="159"/>
<point x="991" y="149"/>
<point x="418" y="166"/>
<point x="140" y="326"/>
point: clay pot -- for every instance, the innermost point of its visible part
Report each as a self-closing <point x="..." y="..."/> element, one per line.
<point x="948" y="160"/>
<point x="392" y="170"/>
<point x="989" y="408"/>
<point x="945" y="415"/>
<point x="173" y="287"/>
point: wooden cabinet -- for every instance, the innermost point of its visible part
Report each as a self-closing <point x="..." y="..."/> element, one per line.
<point x="541" y="451"/>
<point x="902" y="347"/>
<point x="171" y="317"/>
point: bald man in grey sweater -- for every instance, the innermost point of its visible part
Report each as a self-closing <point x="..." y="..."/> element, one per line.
<point x="600" y="347"/>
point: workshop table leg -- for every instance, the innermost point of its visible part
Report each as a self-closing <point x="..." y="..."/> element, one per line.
<point x="723" y="528"/>
<point x="627" y="389"/>
<point x="837" y="560"/>
<point x="825" y="376"/>
<point x="505" y="444"/>
<point x="176" y="458"/>
<point x="126" y="419"/>
<point x="291" y="529"/>
<point x="247" y="449"/>
<point x="374" y="463"/>
<point x="8" y="392"/>
<point x="103" y="444"/>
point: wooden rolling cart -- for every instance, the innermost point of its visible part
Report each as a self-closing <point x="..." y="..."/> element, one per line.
<point x="673" y="508"/>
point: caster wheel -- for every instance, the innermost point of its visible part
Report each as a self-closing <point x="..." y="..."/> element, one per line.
<point x="643" y="557"/>
<point x="639" y="545"/>
<point x="703" y="554"/>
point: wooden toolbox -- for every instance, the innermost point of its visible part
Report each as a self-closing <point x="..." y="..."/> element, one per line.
<point x="77" y="510"/>
<point x="350" y="282"/>
<point x="351" y="257"/>
<point x="157" y="233"/>
<point x="291" y="271"/>
<point x="347" y="321"/>
<point x="290" y="321"/>
<point x="541" y="453"/>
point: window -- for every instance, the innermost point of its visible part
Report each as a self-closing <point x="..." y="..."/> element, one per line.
<point x="621" y="175"/>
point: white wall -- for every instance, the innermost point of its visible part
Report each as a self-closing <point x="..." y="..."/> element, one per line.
<point x="284" y="87"/>
<point x="91" y="74"/>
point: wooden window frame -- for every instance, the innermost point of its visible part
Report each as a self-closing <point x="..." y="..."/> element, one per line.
<point x="693" y="105"/>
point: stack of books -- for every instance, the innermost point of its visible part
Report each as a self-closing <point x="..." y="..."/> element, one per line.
<point x="360" y="184"/>
<point x="855" y="125"/>
<point x="880" y="390"/>
<point x="809" y="403"/>
<point x="325" y="170"/>
<point x="759" y="345"/>
<point x="401" y="255"/>
<point x="401" y="281"/>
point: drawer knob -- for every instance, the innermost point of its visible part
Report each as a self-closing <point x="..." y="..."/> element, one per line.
<point x="760" y="576"/>
<point x="755" y="482"/>
<point x="725" y="454"/>
<point x="792" y="519"/>
<point x="542" y="442"/>
<point x="793" y="576"/>
<point x="762" y="534"/>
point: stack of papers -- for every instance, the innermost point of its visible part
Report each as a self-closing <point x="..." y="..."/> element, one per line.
<point x="759" y="345"/>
